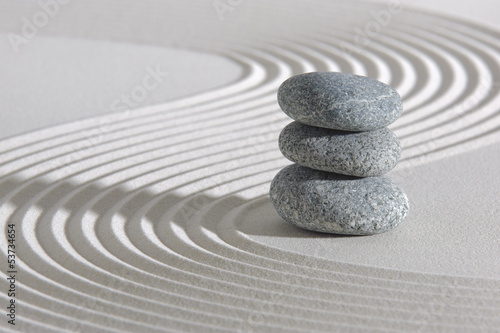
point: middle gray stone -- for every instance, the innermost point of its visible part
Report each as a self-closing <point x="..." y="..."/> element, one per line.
<point x="361" y="154"/>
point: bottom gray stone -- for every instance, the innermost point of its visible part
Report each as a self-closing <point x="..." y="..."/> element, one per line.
<point x="332" y="203"/>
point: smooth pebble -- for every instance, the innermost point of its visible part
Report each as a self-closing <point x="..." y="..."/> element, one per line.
<point x="331" y="203"/>
<point x="339" y="101"/>
<point x="362" y="154"/>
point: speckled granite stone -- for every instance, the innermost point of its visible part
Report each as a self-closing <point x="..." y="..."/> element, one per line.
<point x="339" y="101"/>
<point x="361" y="154"/>
<point x="332" y="203"/>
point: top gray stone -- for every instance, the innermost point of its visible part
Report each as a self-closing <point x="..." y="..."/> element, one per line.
<point x="339" y="101"/>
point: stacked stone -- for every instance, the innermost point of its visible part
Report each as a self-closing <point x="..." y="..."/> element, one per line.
<point x="342" y="148"/>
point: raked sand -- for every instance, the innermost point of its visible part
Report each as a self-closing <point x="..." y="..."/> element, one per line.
<point x="157" y="217"/>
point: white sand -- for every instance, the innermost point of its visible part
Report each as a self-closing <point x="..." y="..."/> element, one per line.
<point x="157" y="218"/>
